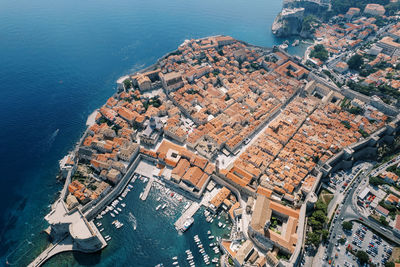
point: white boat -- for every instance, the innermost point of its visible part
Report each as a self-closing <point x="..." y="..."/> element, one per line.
<point x="116" y="212"/>
<point x="107" y="236"/>
<point x="119" y="209"/>
<point x="141" y="194"/>
<point x="211" y="237"/>
<point x="159" y="198"/>
<point x="123" y="205"/>
<point x="132" y="219"/>
<point x="175" y="263"/>
<point x="158" y="207"/>
<point x="120" y="198"/>
<point x="112" y="214"/>
<point x="175" y="258"/>
<point x="209" y="232"/>
<point x="163" y="206"/>
<point x="187" y="224"/>
<point x="101" y="230"/>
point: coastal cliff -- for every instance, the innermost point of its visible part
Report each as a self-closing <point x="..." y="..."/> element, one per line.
<point x="290" y="21"/>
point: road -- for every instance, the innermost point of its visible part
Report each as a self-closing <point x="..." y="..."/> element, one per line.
<point x="384" y="166"/>
<point x="350" y="212"/>
<point x="344" y="213"/>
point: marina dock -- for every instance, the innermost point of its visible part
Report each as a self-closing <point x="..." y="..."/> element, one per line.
<point x="147" y="189"/>
<point x="186" y="215"/>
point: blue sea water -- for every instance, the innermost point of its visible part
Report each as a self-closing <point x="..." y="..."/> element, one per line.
<point x="59" y="60"/>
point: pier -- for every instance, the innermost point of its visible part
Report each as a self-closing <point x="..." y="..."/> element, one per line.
<point x="147" y="189"/>
<point x="65" y="244"/>
<point x="186" y="215"/>
<point x="194" y="208"/>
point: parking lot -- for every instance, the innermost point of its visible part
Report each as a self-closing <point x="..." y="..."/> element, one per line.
<point x="360" y="238"/>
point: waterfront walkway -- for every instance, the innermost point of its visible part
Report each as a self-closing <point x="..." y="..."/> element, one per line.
<point x="147" y="189"/>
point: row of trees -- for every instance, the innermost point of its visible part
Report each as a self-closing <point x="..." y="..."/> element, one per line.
<point x="317" y="221"/>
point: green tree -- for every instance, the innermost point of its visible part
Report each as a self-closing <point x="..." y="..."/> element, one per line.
<point x="313" y="238"/>
<point x="347" y="226"/>
<point x="307" y="23"/>
<point x="355" y="62"/>
<point x="376" y="181"/>
<point x="128" y="83"/>
<point x="320" y="205"/>
<point x="315" y="224"/>
<point x="341" y="6"/>
<point x="383" y="221"/>
<point x="319" y="215"/>
<point x="320" y="52"/>
<point x="324" y="234"/>
<point x="362" y="256"/>
<point x="390" y="264"/>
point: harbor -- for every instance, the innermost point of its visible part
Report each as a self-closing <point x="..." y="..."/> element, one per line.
<point x="156" y="236"/>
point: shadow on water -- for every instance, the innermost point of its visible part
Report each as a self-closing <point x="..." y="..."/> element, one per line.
<point x="83" y="259"/>
<point x="10" y="224"/>
<point x="6" y="244"/>
<point x="22" y="205"/>
<point x="79" y="259"/>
